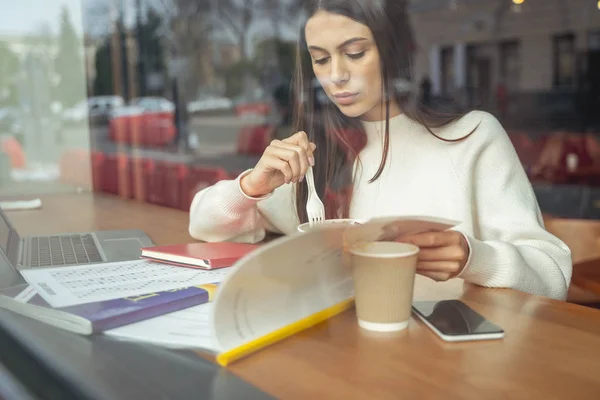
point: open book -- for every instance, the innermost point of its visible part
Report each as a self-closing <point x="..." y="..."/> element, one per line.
<point x="284" y="287"/>
<point x="92" y="298"/>
<point x="96" y="317"/>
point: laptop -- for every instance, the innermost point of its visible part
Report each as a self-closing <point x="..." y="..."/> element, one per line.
<point x="68" y="249"/>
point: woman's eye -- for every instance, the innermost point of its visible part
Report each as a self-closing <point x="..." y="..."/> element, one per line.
<point x="321" y="60"/>
<point x="356" y="56"/>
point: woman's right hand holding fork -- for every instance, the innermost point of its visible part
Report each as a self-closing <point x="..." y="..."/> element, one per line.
<point x="283" y="161"/>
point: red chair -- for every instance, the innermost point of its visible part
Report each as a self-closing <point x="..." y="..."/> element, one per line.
<point x="110" y="175"/>
<point x="136" y="130"/>
<point x="198" y="178"/>
<point x="576" y="144"/>
<point x="552" y="163"/>
<point x="165" y="183"/>
<point x="118" y="129"/>
<point x="98" y="159"/>
<point x="157" y="129"/>
<point x="116" y="175"/>
<point x="592" y="146"/>
<point x="254" y="140"/>
<point x="141" y="171"/>
<point x="156" y="184"/>
<point x="527" y="148"/>
<point x="262" y="108"/>
<point x="124" y="180"/>
<point x="164" y="123"/>
<point x="175" y="175"/>
<point x="167" y="131"/>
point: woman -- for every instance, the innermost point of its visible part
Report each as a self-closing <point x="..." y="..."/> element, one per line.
<point x="380" y="154"/>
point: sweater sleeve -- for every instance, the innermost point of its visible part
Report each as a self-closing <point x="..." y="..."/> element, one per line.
<point x="223" y="212"/>
<point x="510" y="246"/>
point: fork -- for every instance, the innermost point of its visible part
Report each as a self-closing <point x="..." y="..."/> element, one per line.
<point x="314" y="206"/>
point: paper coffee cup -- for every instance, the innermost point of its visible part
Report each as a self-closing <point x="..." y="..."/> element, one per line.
<point x="384" y="277"/>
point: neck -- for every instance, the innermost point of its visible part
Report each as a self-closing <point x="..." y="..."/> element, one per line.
<point x="377" y="113"/>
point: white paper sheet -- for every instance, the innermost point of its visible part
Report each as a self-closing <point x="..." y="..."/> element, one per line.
<point x="66" y="286"/>
<point x="21" y="205"/>
<point x="188" y="328"/>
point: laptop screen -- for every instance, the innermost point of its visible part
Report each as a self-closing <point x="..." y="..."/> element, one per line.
<point x="9" y="243"/>
<point x="4" y="233"/>
<point x="8" y="234"/>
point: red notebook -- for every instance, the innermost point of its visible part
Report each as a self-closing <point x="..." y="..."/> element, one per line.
<point x="199" y="255"/>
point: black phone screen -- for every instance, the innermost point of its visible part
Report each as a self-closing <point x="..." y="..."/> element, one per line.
<point x="454" y="318"/>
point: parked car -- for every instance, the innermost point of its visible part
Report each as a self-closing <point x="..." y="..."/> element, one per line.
<point x="207" y="104"/>
<point x="97" y="109"/>
<point x="146" y="121"/>
<point x="153" y="104"/>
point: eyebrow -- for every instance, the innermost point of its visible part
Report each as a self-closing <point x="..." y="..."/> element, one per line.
<point x="346" y="43"/>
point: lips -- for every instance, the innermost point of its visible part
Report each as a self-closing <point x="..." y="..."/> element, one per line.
<point x="345" y="98"/>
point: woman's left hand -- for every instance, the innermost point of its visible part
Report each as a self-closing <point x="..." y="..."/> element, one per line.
<point x="442" y="255"/>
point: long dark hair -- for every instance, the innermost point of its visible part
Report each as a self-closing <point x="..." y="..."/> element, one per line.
<point x="339" y="138"/>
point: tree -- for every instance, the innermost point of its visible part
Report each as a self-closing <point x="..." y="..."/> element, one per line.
<point x="186" y="36"/>
<point x="235" y="76"/>
<point x="9" y="68"/>
<point x="69" y="64"/>
<point x="274" y="61"/>
<point x="150" y="47"/>
<point x="103" y="82"/>
<point x="237" y="16"/>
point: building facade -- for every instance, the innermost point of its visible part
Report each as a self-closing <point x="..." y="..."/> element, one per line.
<point x="514" y="59"/>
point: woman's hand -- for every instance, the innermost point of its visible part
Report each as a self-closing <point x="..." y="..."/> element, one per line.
<point x="442" y="255"/>
<point x="284" y="161"/>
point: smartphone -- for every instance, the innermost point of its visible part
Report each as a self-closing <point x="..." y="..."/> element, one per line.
<point x="454" y="321"/>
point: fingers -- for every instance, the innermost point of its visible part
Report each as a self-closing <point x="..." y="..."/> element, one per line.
<point x="278" y="155"/>
<point x="284" y="167"/>
<point x="447" y="253"/>
<point x="438" y="266"/>
<point x="440" y="246"/>
<point x="439" y="270"/>
<point x="436" y="276"/>
<point x="301" y="139"/>
<point x="442" y="255"/>
<point x="296" y="151"/>
<point x="297" y="157"/>
<point x="433" y="239"/>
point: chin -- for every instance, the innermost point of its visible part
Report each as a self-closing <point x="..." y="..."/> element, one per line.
<point x="352" y="110"/>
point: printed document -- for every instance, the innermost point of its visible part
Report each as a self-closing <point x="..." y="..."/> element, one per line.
<point x="67" y="286"/>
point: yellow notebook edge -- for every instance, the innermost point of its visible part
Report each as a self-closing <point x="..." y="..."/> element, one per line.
<point x="246" y="349"/>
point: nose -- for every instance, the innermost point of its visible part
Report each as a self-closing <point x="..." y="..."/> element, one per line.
<point x="339" y="73"/>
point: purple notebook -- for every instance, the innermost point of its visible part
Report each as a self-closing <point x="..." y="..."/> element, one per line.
<point x="97" y="317"/>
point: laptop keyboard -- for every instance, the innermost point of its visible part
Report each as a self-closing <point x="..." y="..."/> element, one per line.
<point x="63" y="249"/>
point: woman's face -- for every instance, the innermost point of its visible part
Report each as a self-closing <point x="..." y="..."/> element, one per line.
<point x="346" y="62"/>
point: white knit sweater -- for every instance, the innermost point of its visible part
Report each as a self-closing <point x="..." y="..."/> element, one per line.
<point x="478" y="181"/>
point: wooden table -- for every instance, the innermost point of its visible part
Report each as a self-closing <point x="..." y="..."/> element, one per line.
<point x="551" y="348"/>
<point x="587" y="276"/>
<point x="583" y="238"/>
<point x="581" y="235"/>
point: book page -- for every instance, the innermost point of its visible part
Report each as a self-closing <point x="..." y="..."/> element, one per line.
<point x="297" y="276"/>
<point x="67" y="286"/>
<point x="188" y="328"/>
<point x="281" y="283"/>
